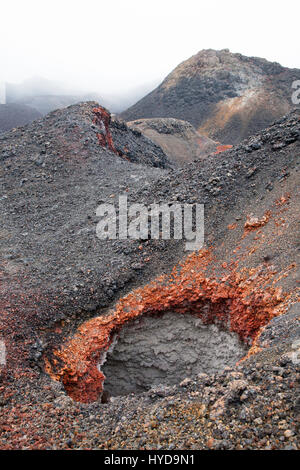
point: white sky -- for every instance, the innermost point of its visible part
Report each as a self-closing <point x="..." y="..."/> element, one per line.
<point x="113" y="45"/>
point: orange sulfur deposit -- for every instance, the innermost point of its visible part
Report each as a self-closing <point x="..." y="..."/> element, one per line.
<point x="242" y="302"/>
<point x="222" y="148"/>
<point x="102" y="120"/>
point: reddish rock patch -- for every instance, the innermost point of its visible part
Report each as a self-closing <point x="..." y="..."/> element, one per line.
<point x="102" y="120"/>
<point x="241" y="301"/>
<point x="223" y="148"/>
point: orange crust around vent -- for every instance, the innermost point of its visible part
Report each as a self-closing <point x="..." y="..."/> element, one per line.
<point x="241" y="301"/>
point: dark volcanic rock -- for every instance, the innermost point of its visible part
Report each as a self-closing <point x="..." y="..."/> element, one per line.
<point x="56" y="274"/>
<point x="225" y="96"/>
<point x="136" y="147"/>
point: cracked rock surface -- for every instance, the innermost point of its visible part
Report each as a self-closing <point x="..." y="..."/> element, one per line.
<point x="165" y="350"/>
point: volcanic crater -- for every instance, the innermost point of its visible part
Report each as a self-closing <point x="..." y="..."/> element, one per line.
<point x="164" y="350"/>
<point x="76" y="309"/>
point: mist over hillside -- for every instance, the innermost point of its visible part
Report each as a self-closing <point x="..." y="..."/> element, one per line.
<point x="45" y="95"/>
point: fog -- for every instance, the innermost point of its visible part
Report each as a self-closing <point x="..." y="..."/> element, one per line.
<point x="123" y="49"/>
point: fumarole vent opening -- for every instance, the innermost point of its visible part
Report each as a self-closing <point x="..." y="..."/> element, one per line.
<point x="164" y="350"/>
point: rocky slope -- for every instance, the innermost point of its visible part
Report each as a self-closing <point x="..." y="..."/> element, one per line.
<point x="66" y="295"/>
<point x="78" y="131"/>
<point x="226" y="96"/>
<point x="14" y="115"/>
<point x="179" y="139"/>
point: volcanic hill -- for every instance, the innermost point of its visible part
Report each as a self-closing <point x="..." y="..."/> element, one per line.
<point x="75" y="308"/>
<point x="226" y="96"/>
<point x="179" y="139"/>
